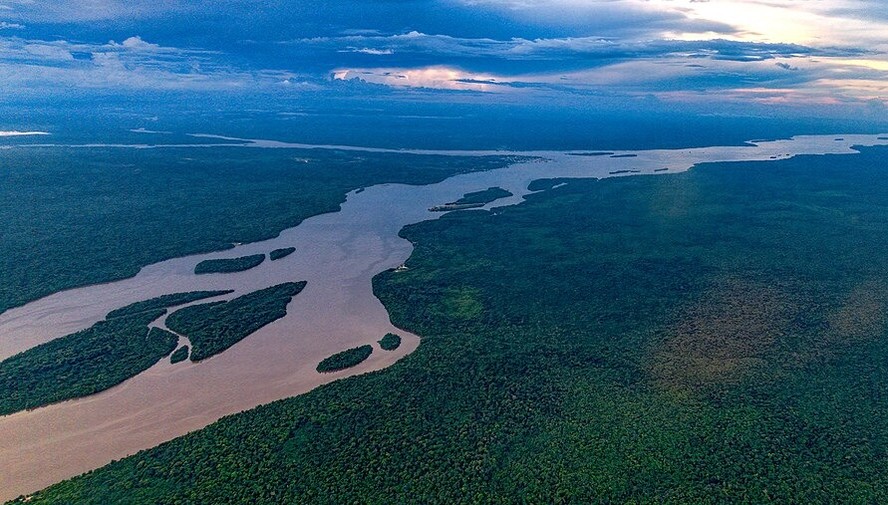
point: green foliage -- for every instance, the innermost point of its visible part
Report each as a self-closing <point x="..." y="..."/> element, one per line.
<point x="94" y="359"/>
<point x="83" y="363"/>
<point x="390" y="342"/>
<point x="214" y="327"/>
<point x="164" y="301"/>
<point x="546" y="184"/>
<point x="473" y="200"/>
<point x="483" y="197"/>
<point x="345" y="359"/>
<point x="229" y="265"/>
<point x="101" y="214"/>
<point x="281" y="253"/>
<point x="181" y="354"/>
<point x="717" y="336"/>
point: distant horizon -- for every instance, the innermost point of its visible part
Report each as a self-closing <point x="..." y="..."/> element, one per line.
<point x="768" y="60"/>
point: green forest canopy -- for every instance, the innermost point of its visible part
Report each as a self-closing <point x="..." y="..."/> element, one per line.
<point x="720" y="338"/>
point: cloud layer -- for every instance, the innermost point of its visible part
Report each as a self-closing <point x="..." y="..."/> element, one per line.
<point x="790" y="53"/>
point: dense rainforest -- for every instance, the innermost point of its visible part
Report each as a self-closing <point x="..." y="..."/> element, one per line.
<point x="707" y="337"/>
<point x="474" y="200"/>
<point x="390" y="342"/>
<point x="180" y="354"/>
<point x="91" y="360"/>
<point x="135" y="207"/>
<point x="229" y="265"/>
<point x="283" y="252"/>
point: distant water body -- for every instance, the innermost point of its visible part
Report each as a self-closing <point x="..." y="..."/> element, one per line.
<point x="337" y="253"/>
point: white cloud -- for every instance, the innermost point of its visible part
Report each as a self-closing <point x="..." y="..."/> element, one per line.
<point x="436" y="77"/>
<point x="35" y="66"/>
<point x="136" y="43"/>
<point x="15" y="133"/>
<point x="370" y="50"/>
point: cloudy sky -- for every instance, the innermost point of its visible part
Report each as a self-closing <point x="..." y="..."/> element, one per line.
<point x="791" y="54"/>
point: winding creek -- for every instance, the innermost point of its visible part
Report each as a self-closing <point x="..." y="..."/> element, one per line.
<point x="337" y="253"/>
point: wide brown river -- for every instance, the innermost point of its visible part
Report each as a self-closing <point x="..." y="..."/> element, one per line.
<point x="337" y="253"/>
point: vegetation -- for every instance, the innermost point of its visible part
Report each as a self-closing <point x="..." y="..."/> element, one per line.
<point x="164" y="301"/>
<point x="101" y="214"/>
<point x="390" y="342"/>
<point x="214" y="327"/>
<point x="545" y="184"/>
<point x="281" y="253"/>
<point x="474" y="200"/>
<point x="593" y="153"/>
<point x="714" y="336"/>
<point x="345" y="359"/>
<point x="92" y="360"/>
<point x="229" y="265"/>
<point x="485" y="196"/>
<point x="83" y="363"/>
<point x="181" y="354"/>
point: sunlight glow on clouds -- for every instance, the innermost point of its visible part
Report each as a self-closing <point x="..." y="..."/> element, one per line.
<point x="798" y="52"/>
<point x="431" y="77"/>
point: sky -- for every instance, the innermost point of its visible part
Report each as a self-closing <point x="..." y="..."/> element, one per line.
<point x="804" y="57"/>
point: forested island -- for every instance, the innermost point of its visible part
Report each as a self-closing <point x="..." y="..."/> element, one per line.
<point x="180" y="355"/>
<point x="473" y="200"/>
<point x="281" y="253"/>
<point x="214" y="327"/>
<point x="165" y="301"/>
<point x="390" y="342"/>
<point x="345" y="359"/>
<point x="229" y="265"/>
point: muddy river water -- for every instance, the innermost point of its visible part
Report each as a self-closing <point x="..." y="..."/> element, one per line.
<point x="336" y="253"/>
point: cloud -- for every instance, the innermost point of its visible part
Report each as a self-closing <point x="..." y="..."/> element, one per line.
<point x="520" y="56"/>
<point x="369" y="50"/>
<point x="136" y="43"/>
<point x="14" y="133"/>
<point x="534" y="49"/>
<point x="40" y="66"/>
<point x="438" y="77"/>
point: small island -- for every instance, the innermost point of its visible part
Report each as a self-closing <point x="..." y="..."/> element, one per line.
<point x="229" y="265"/>
<point x="281" y="253"/>
<point x="165" y="301"/>
<point x="546" y="184"/>
<point x="473" y="200"/>
<point x="345" y="359"/>
<point x="390" y="342"/>
<point x="214" y="327"/>
<point x="181" y="354"/>
<point x="593" y="153"/>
